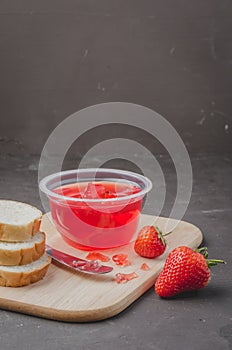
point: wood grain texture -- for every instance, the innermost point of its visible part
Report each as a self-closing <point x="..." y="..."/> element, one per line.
<point x="75" y="297"/>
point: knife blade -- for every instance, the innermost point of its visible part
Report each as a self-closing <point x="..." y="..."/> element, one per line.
<point x="77" y="264"/>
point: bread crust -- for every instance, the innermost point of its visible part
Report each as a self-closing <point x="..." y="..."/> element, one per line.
<point x="20" y="233"/>
<point x="20" y="279"/>
<point x="22" y="256"/>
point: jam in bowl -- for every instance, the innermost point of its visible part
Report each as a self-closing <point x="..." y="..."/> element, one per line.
<point x="96" y="208"/>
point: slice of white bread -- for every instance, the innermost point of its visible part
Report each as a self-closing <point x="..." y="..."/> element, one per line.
<point x="18" y="276"/>
<point x="22" y="253"/>
<point x="18" y="221"/>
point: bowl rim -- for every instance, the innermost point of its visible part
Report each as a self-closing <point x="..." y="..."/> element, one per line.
<point x="43" y="185"/>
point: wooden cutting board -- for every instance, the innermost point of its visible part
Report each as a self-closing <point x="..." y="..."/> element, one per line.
<point x="76" y="297"/>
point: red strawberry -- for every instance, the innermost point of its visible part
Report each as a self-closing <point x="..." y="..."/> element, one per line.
<point x="184" y="269"/>
<point x="150" y="242"/>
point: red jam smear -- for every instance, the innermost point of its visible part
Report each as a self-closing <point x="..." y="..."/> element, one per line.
<point x="121" y="259"/>
<point x="87" y="266"/>
<point x="125" y="277"/>
<point x="99" y="225"/>
<point x="144" y="267"/>
<point x="97" y="256"/>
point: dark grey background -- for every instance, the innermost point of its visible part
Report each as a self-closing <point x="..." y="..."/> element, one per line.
<point x="173" y="56"/>
<point x="57" y="57"/>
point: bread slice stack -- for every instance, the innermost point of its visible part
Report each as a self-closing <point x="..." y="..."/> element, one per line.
<point x="22" y="246"/>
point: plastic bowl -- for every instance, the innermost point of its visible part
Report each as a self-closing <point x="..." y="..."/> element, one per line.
<point x="96" y="208"/>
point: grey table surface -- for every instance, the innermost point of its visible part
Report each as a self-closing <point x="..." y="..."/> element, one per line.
<point x="197" y="320"/>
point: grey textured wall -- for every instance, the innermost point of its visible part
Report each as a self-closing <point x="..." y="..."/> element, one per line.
<point x="58" y="56"/>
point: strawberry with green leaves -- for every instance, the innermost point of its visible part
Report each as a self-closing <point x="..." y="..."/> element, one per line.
<point x="184" y="270"/>
<point x="150" y="242"/>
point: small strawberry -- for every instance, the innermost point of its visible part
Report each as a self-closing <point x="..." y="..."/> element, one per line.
<point x="150" y="242"/>
<point x="184" y="269"/>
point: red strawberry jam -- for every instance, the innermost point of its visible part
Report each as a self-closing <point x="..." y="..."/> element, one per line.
<point x="101" y="223"/>
<point x="125" y="277"/>
<point x="97" y="256"/>
<point x="121" y="259"/>
<point x="144" y="267"/>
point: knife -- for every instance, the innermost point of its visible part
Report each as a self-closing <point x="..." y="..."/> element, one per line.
<point x="77" y="264"/>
